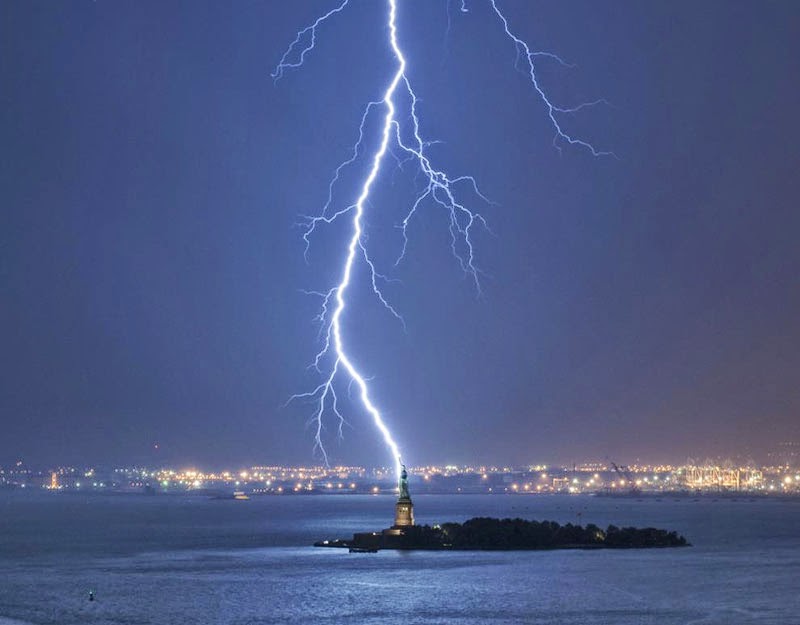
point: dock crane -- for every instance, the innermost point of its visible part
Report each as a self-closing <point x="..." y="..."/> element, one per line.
<point x="625" y="476"/>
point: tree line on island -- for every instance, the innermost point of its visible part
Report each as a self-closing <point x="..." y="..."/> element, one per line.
<point x="499" y="534"/>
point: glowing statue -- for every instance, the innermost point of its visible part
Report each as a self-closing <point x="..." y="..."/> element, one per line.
<point x="404" y="484"/>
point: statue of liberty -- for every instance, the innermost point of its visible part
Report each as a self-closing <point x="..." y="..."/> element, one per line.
<point x="404" y="484"/>
<point x="404" y="508"/>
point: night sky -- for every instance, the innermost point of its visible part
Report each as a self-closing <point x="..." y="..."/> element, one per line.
<point x="151" y="176"/>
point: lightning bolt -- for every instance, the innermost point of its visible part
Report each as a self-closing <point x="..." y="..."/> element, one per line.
<point x="332" y="361"/>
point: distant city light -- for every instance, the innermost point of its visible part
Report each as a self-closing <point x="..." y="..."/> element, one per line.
<point x="265" y="480"/>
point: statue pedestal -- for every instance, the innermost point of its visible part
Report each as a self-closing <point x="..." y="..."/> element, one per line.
<point x="403" y="513"/>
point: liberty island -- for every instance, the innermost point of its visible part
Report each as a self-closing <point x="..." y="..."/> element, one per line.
<point x="482" y="533"/>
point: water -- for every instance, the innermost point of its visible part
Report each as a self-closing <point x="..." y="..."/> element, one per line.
<point x="187" y="560"/>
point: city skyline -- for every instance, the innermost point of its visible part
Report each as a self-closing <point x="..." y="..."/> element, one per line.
<point x="597" y="478"/>
<point x="786" y="453"/>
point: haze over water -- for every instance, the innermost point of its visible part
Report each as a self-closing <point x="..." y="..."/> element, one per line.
<point x="188" y="560"/>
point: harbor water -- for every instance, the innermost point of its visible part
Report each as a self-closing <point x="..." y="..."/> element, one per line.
<point x="192" y="560"/>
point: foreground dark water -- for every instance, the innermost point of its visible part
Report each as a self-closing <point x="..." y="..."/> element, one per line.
<point x="164" y="560"/>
